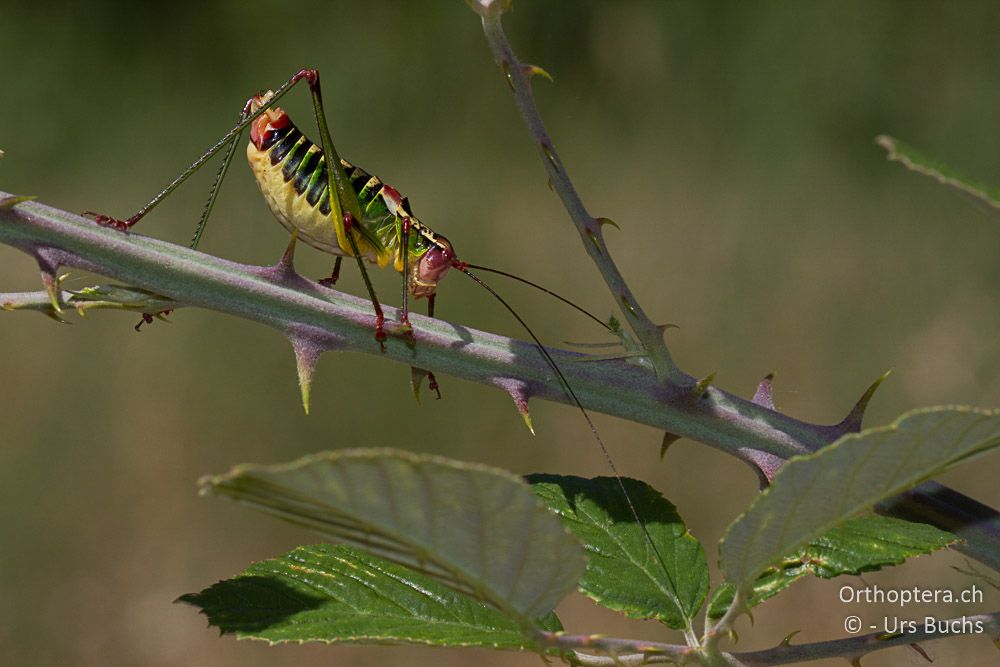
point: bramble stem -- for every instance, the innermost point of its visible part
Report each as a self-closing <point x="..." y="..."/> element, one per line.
<point x="62" y="239"/>
<point x="640" y="652"/>
<point x="975" y="523"/>
<point x="856" y="647"/>
<point x="304" y="310"/>
<point x="590" y="228"/>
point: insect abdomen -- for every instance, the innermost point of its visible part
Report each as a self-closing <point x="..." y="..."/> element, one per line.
<point x="291" y="173"/>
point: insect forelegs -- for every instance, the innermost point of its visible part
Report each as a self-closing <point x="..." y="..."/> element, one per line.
<point x="334" y="275"/>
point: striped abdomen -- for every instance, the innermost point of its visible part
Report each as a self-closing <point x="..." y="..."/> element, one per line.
<point x="291" y="172"/>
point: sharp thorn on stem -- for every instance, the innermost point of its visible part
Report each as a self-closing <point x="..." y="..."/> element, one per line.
<point x="14" y="200"/>
<point x="668" y="439"/>
<point x="920" y="649"/>
<point x="51" y="281"/>
<point x="307" y="355"/>
<point x="852" y="422"/>
<point x="701" y="387"/>
<point x="518" y="391"/>
<point x="530" y="71"/>
<point x="417" y="376"/>
<point x="787" y="641"/>
<point x="763" y="396"/>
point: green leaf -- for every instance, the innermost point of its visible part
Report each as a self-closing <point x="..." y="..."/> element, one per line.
<point x="861" y="544"/>
<point x="812" y="494"/>
<point x="335" y="593"/>
<point x="916" y="161"/>
<point x="623" y="573"/>
<point x="477" y="529"/>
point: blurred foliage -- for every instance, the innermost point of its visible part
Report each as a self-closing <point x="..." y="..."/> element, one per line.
<point x="733" y="142"/>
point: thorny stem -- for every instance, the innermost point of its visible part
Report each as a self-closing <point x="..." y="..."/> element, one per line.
<point x="590" y="229"/>
<point x="856" y="647"/>
<point x="290" y="303"/>
<point x="724" y="625"/>
<point x="621" y="651"/>
<point x="591" y="233"/>
<point x="319" y="319"/>
<point x="931" y="503"/>
<point x="640" y="652"/>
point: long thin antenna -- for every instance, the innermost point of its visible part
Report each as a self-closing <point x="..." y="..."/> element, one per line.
<point x="214" y="192"/>
<point x="479" y="267"/>
<point x="586" y="415"/>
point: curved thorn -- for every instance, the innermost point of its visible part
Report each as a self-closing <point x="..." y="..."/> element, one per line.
<point x="417" y="376"/>
<point x="286" y="265"/>
<point x="518" y="390"/>
<point x="765" y="464"/>
<point x="920" y="649"/>
<point x="607" y="221"/>
<point x="51" y="282"/>
<point x="787" y="641"/>
<point x="526" y="416"/>
<point x="762" y="396"/>
<point x="852" y="422"/>
<point x="668" y="439"/>
<point x="534" y="70"/>
<point x="12" y="200"/>
<point x="699" y="389"/>
<point x="306" y="356"/>
<point x="60" y="320"/>
<point x="283" y="271"/>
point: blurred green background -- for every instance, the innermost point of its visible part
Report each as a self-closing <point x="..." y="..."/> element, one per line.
<point x="733" y="143"/>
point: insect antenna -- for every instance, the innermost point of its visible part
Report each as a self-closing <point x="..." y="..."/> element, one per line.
<point x="214" y="192"/>
<point x="479" y="267"/>
<point x="572" y="394"/>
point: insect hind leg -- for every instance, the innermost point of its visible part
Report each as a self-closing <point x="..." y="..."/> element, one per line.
<point x="230" y="140"/>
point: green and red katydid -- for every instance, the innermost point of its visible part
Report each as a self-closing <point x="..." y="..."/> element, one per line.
<point x="359" y="216"/>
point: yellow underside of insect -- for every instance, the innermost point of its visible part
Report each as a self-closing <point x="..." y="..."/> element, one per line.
<point x="294" y="212"/>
